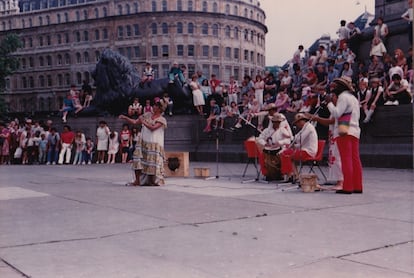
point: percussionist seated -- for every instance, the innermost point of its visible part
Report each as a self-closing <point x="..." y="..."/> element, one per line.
<point x="304" y="146"/>
<point x="273" y="140"/>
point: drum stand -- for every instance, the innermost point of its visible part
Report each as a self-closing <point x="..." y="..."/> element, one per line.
<point x="217" y="157"/>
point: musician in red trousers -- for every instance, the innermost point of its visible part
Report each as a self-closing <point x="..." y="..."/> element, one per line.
<point x="347" y="112"/>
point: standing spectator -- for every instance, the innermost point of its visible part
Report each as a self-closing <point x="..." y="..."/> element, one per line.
<point x="215" y="84"/>
<point x="4" y="143"/>
<point x="258" y="89"/>
<point x="331" y="74"/>
<point x="88" y="151"/>
<point x="102" y="136"/>
<point x="408" y="16"/>
<point x="321" y="55"/>
<point x="205" y="88"/>
<point x="346" y="114"/>
<point x="113" y="147"/>
<point x="233" y="90"/>
<point x="53" y="141"/>
<point x="66" y="140"/>
<point x="343" y="34"/>
<point x="42" y="148"/>
<point x="80" y="143"/>
<point x="363" y="93"/>
<point x="353" y="37"/>
<point x="126" y="142"/>
<point x="381" y="30"/>
<point x="147" y="107"/>
<point x="297" y="56"/>
<point x="198" y="97"/>
<point x="297" y="78"/>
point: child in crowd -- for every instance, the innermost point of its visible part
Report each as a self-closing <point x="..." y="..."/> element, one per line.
<point x="376" y="99"/>
<point x="214" y="115"/>
<point x="135" y="109"/>
<point x="113" y="147"/>
<point x="80" y="146"/>
<point x="42" y="148"/>
<point x="88" y="151"/>
<point x="296" y="103"/>
<point x="176" y="71"/>
<point x="168" y="104"/>
<point x="223" y="114"/>
<point x="147" y="107"/>
<point x="148" y="75"/>
<point x="126" y="142"/>
<point x="282" y="101"/>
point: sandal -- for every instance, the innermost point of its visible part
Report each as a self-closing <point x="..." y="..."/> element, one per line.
<point x="132" y="184"/>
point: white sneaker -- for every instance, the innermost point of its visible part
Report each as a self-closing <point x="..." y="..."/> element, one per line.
<point x="97" y="162"/>
<point x="89" y="163"/>
<point x="48" y="163"/>
<point x="53" y="163"/>
<point x="396" y="103"/>
<point x="83" y="163"/>
<point x="389" y="103"/>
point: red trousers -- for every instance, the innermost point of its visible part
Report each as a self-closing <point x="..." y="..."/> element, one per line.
<point x="348" y="147"/>
<point x="289" y="155"/>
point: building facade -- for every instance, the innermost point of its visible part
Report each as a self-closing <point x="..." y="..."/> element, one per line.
<point x="63" y="39"/>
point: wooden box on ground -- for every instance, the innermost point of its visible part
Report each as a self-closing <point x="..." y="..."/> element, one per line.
<point x="201" y="172"/>
<point x="171" y="159"/>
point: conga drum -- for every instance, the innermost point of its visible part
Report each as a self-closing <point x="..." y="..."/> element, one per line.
<point x="272" y="164"/>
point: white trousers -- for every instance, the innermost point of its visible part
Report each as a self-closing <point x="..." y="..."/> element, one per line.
<point x="66" y="148"/>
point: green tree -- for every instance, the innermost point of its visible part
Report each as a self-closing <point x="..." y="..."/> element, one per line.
<point x="8" y="63"/>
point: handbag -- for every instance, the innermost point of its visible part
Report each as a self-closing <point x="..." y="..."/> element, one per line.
<point x="18" y="153"/>
<point x="343" y="124"/>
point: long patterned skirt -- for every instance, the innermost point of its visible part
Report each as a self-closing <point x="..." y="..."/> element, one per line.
<point x="149" y="157"/>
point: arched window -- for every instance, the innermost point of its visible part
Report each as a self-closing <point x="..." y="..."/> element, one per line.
<point x="215" y="7"/>
<point x="205" y="6"/>
<point x="120" y="31"/>
<point x="97" y="35"/>
<point x="251" y="14"/>
<point x="204" y="29"/>
<point x="164" y="28"/>
<point x="49" y="60"/>
<point x="105" y="11"/>
<point x="40" y="20"/>
<point x="179" y="27"/>
<point x="119" y="9"/>
<point x="78" y="36"/>
<point x="41" y="61"/>
<point x="227" y="31"/>
<point x="227" y="9"/>
<point x="23" y="63"/>
<point x="154" y="28"/>
<point x="236" y="33"/>
<point x="136" y="30"/>
<point x="127" y="9"/>
<point x="67" y="78"/>
<point x="60" y="80"/>
<point x="41" y="81"/>
<point x="215" y="30"/>
<point x="190" y="28"/>
<point x="136" y="7"/>
<point x="164" y="6"/>
<point x="47" y="20"/>
<point x="77" y="16"/>
<point x="67" y="59"/>
<point x="49" y="80"/>
<point x="85" y="35"/>
<point x="245" y="12"/>
<point x="78" y="58"/>
<point x="97" y="55"/>
<point x="41" y="104"/>
<point x="246" y="34"/>
<point x="30" y="22"/>
<point x="40" y="41"/>
<point x="154" y="6"/>
<point x="236" y="10"/>
<point x="86" y="76"/>
<point x="59" y="59"/>
<point x="24" y="82"/>
<point x="128" y="31"/>
<point x="105" y="34"/>
<point x="96" y="13"/>
<point x="190" y="6"/>
<point x="67" y="38"/>
<point x="78" y="78"/>
<point x="58" y="18"/>
<point x="48" y="40"/>
<point x="85" y="14"/>
<point x="179" y="5"/>
<point x="86" y="57"/>
<point x="23" y="23"/>
<point x="66" y="15"/>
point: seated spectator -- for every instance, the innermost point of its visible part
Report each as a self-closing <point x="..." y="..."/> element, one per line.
<point x="87" y="94"/>
<point x="376" y="99"/>
<point x="214" y="115"/>
<point x="282" y="101"/>
<point x="286" y="80"/>
<point x="363" y="93"/>
<point x="67" y="107"/>
<point x="401" y="61"/>
<point x="347" y="70"/>
<point x="398" y="92"/>
<point x="167" y="103"/>
<point x="377" y="48"/>
<point x="176" y="72"/>
<point x="332" y="73"/>
<point x="224" y="111"/>
<point x="135" y="109"/>
<point x="296" y="103"/>
<point x="147" y="75"/>
<point x="376" y="67"/>
<point x="321" y="75"/>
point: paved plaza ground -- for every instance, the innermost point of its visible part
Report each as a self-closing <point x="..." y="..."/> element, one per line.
<point x="81" y="221"/>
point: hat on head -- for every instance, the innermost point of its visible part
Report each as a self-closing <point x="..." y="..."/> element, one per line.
<point x="299" y="117"/>
<point x="276" y="118"/>
<point x="270" y="106"/>
<point x="345" y="81"/>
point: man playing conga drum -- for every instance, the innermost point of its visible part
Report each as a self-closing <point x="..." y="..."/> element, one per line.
<point x="273" y="140"/>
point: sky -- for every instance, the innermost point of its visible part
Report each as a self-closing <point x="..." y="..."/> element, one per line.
<point x="294" y="22"/>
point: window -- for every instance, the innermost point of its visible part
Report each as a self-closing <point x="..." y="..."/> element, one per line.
<point x="77" y="16"/>
<point x="252" y="56"/>
<point x="40" y="21"/>
<point x="251" y="14"/>
<point x="227" y="31"/>
<point x="179" y="28"/>
<point x="78" y="36"/>
<point x="205" y="7"/>
<point x="23" y="63"/>
<point x="86" y="57"/>
<point x="236" y="10"/>
<point x="251" y="35"/>
<point x="246" y="35"/>
<point x="227" y="9"/>
<point x="128" y="31"/>
<point x="215" y="7"/>
<point x="23" y="23"/>
<point x="180" y="50"/>
<point x="85" y="35"/>
<point x="137" y="52"/>
<point x="60" y="80"/>
<point x="165" y="51"/>
<point x="24" y="82"/>
<point x="66" y="15"/>
<point x="228" y="53"/>
<point x="204" y="29"/>
<point x="41" y="61"/>
<point x="206" y="50"/>
<point x="136" y="29"/>
<point x="119" y="9"/>
<point x="105" y="11"/>
<point x="154" y="49"/>
<point x="85" y="15"/>
<point x="179" y="5"/>
<point x="236" y="33"/>
<point x="59" y="39"/>
<point x="190" y="6"/>
<point x="236" y="53"/>
<point x="129" y="52"/>
<point x="67" y="78"/>
<point x="164" y="28"/>
<point x="30" y="42"/>
<point x="165" y="68"/>
<point x="105" y="34"/>
<point x="136" y="8"/>
<point x="215" y="51"/>
<point x="245" y="13"/>
<point x="216" y="70"/>
<point x="154" y="6"/>
<point x="59" y="59"/>
<point x="40" y="41"/>
<point x="58" y="18"/>
<point x="31" y="62"/>
<point x="48" y="40"/>
<point x="97" y="35"/>
<point x="49" y="60"/>
<point x="49" y="80"/>
<point x="164" y="6"/>
<point x="30" y="22"/>
<point x="78" y="58"/>
<point x="246" y="55"/>
<point x="190" y="28"/>
<point x="41" y="81"/>
<point x="128" y="9"/>
<point x="96" y="13"/>
<point x="66" y="38"/>
<point x="215" y="30"/>
<point x="86" y="76"/>
<point x="67" y="59"/>
<point x="121" y="51"/>
<point x="97" y="55"/>
<point x="120" y="31"/>
<point x="79" y="78"/>
<point x="154" y="28"/>
<point x="190" y="50"/>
